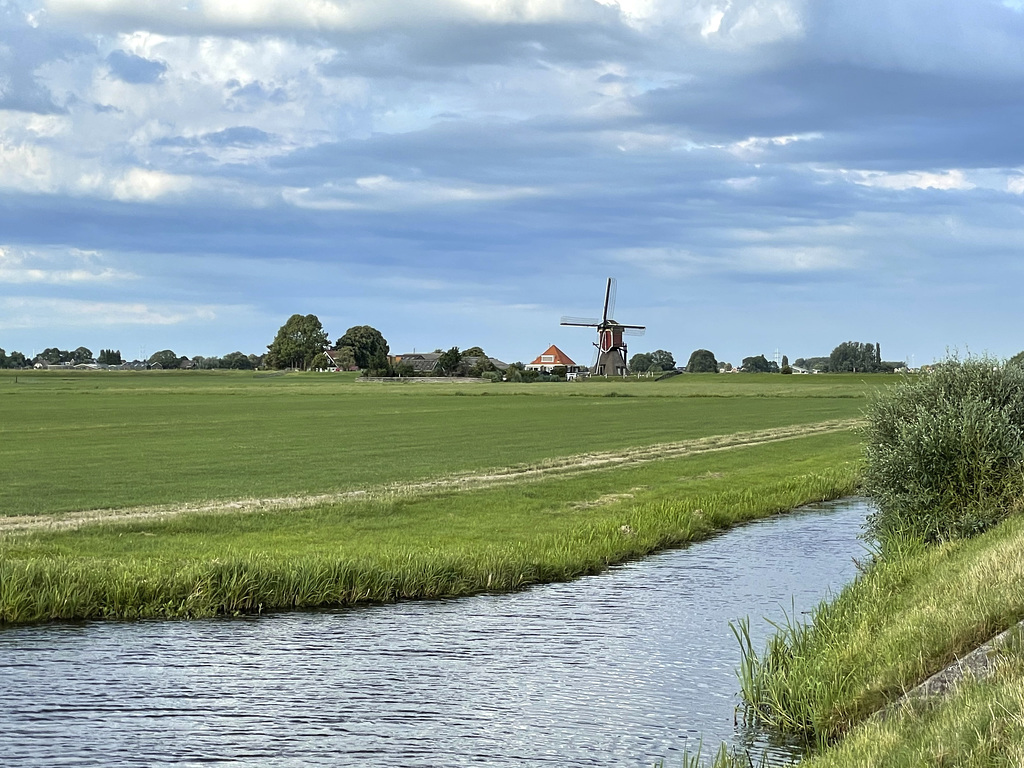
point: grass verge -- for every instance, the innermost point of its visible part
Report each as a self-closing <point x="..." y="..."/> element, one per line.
<point x="435" y="545"/>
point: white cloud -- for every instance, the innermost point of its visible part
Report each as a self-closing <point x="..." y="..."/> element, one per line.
<point x="139" y="184"/>
<point x="317" y="15"/>
<point x="1015" y="184"/>
<point x="386" y="193"/>
<point x="946" y="180"/>
<point x="761" y="143"/>
<point x="35" y="312"/>
<point x="56" y="266"/>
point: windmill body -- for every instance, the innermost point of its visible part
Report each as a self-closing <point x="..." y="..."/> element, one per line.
<point x="611" y="348"/>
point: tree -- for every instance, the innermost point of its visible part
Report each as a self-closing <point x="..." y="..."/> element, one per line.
<point x="759" y="364"/>
<point x="813" y="363"/>
<point x="785" y="365"/>
<point x="82" y="355"/>
<point x="165" y="358"/>
<point x="109" y="357"/>
<point x="662" y="360"/>
<point x="702" y="361"/>
<point x="345" y="358"/>
<point x="16" y="360"/>
<point x="1017" y="359"/>
<point x="369" y="348"/>
<point x="474" y="352"/>
<point x="54" y="356"/>
<point x="236" y="361"/>
<point x="297" y="342"/>
<point x="449" y="363"/>
<point x="321" y="362"/>
<point x="640" y="362"/>
<point x="854" y="356"/>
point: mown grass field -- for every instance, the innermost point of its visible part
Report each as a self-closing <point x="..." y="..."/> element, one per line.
<point x="72" y="441"/>
<point x="392" y="490"/>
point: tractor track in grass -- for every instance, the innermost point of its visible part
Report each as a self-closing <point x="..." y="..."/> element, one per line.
<point x="560" y="466"/>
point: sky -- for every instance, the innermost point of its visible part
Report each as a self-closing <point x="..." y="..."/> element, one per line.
<point x="758" y="175"/>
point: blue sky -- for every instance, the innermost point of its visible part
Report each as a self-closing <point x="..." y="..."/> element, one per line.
<point x="757" y="174"/>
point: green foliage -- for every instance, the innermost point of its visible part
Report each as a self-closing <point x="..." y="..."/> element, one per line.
<point x="321" y="362"/>
<point x="345" y="357"/>
<point x="859" y="357"/>
<point x="640" y="362"/>
<point x="236" y="361"/>
<point x="812" y="363"/>
<point x="945" y="450"/>
<point x="474" y="352"/>
<point x="298" y="341"/>
<point x="109" y="357"/>
<point x="662" y="360"/>
<point x="165" y="358"/>
<point x="369" y="348"/>
<point x="54" y="356"/>
<point x="450" y="363"/>
<point x="1017" y="359"/>
<point x="759" y="364"/>
<point x="702" y="361"/>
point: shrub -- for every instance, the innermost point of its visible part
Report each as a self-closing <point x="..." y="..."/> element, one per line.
<point x="945" y="450"/>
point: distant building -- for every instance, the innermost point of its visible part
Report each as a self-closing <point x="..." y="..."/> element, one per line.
<point x="552" y="358"/>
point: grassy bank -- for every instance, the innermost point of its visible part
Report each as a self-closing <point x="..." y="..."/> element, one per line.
<point x="980" y="725"/>
<point x="423" y="545"/>
<point x="911" y="614"/>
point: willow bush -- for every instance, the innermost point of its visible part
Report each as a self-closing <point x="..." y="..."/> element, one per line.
<point x="945" y="450"/>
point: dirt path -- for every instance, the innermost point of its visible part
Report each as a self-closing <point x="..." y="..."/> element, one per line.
<point x="559" y="466"/>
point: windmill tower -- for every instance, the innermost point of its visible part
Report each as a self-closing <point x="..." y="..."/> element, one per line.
<point x="610" y="359"/>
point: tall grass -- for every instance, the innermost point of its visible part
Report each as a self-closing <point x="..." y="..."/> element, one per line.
<point x="62" y="587"/>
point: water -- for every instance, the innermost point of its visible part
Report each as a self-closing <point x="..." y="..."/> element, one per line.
<point x="621" y="669"/>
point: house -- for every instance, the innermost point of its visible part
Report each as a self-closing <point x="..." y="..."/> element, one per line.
<point x="551" y="358"/>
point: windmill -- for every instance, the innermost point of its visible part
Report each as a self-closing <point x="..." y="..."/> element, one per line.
<point x="611" y="349"/>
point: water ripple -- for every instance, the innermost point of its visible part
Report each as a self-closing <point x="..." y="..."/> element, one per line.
<point x="621" y="669"/>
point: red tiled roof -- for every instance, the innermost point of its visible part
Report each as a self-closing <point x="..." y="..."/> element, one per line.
<point x="560" y="358"/>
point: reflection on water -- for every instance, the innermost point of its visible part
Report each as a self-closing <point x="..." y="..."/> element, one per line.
<point x="621" y="669"/>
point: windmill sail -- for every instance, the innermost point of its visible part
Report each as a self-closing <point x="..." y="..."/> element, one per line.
<point x="584" y="321"/>
<point x="609" y="299"/>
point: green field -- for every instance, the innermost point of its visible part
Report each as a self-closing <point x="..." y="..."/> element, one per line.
<point x="186" y="494"/>
<point x="89" y="440"/>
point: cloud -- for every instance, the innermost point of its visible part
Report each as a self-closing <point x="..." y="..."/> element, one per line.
<point x="945" y="180"/>
<point x="385" y="193"/>
<point x="133" y="69"/>
<point x="43" y="312"/>
<point x="19" y="266"/>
